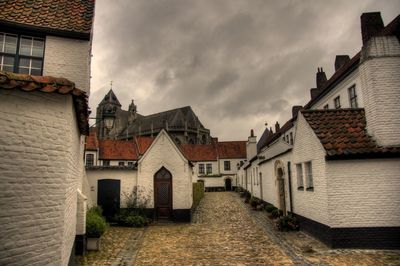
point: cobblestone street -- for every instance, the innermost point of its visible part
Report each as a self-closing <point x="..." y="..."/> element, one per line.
<point x="225" y="231"/>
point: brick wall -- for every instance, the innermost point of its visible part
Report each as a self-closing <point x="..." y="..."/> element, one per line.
<point x="68" y="58"/>
<point x="364" y="193"/>
<point x="40" y="172"/>
<point x="380" y="79"/>
<point x="163" y="152"/>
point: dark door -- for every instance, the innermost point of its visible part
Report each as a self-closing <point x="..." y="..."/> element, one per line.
<point x="228" y="184"/>
<point x="163" y="194"/>
<point x="108" y="196"/>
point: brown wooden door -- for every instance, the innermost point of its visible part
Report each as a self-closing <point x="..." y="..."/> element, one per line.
<point x="163" y="194"/>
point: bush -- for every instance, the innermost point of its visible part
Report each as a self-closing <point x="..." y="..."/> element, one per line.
<point x="137" y="200"/>
<point x="96" y="225"/>
<point x="254" y="202"/>
<point x="269" y="208"/>
<point x="276" y="213"/>
<point x="287" y="223"/>
<point x="198" y="193"/>
<point x="132" y="220"/>
<point x="96" y="209"/>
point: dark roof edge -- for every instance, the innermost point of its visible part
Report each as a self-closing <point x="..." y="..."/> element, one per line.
<point x="6" y="25"/>
<point x="110" y="168"/>
<point x="362" y="156"/>
<point x="273" y="157"/>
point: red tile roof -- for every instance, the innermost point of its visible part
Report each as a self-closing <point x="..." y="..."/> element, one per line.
<point x="143" y="143"/>
<point x="92" y="143"/>
<point x="117" y="150"/>
<point x="342" y="133"/>
<point x="232" y="149"/>
<point x="47" y="84"/>
<point x="74" y="16"/>
<point x="199" y="152"/>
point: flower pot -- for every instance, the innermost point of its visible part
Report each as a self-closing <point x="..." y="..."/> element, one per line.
<point x="93" y="243"/>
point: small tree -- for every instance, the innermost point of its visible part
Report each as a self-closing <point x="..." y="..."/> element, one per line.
<point x="137" y="200"/>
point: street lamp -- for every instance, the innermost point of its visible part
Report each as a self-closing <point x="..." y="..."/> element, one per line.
<point x="109" y="120"/>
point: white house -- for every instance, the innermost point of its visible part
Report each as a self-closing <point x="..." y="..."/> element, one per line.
<point x="43" y="120"/>
<point x="335" y="163"/>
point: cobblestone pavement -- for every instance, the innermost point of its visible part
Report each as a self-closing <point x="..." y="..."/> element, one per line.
<point x="225" y="231"/>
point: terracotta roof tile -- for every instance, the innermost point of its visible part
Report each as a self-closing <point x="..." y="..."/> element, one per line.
<point x="117" y="150"/>
<point x="143" y="143"/>
<point x="199" y="152"/>
<point x="49" y="84"/>
<point x="63" y="15"/>
<point x="232" y="149"/>
<point x="92" y="143"/>
<point x="343" y="133"/>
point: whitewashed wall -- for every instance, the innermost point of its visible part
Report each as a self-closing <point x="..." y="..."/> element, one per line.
<point x="364" y="193"/>
<point x="234" y="168"/>
<point x="128" y="178"/>
<point x="68" y="58"/>
<point x="307" y="147"/>
<point x="41" y="169"/>
<point x="163" y="152"/>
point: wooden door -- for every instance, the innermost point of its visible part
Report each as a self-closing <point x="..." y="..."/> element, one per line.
<point x="281" y="190"/>
<point x="108" y="196"/>
<point x="228" y="184"/>
<point x="163" y="194"/>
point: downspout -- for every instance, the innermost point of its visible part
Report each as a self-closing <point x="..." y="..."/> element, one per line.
<point x="290" y="186"/>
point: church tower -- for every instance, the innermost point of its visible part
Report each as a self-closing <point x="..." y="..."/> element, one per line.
<point x="109" y="106"/>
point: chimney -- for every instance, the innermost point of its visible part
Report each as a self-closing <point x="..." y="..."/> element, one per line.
<point x="321" y="78"/>
<point x="251" y="146"/>
<point x="270" y="130"/>
<point x="340" y="61"/>
<point x="371" y="25"/>
<point x="296" y="109"/>
<point x="314" y="92"/>
<point x="277" y="127"/>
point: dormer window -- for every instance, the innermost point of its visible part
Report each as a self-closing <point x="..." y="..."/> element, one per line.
<point x="336" y="101"/>
<point x="21" y="54"/>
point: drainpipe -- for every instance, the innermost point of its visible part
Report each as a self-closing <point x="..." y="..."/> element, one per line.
<point x="290" y="186"/>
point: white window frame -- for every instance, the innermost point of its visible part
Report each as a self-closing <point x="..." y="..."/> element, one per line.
<point x="208" y="168"/>
<point x="299" y="173"/>
<point x="201" y="169"/>
<point x="352" y="96"/>
<point x="309" y="176"/>
<point x="336" y="102"/>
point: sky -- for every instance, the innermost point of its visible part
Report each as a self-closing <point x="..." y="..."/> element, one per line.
<point x="238" y="63"/>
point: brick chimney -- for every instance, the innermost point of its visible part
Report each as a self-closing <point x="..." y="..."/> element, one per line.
<point x="251" y="146"/>
<point x="320" y="78"/>
<point x="340" y="61"/>
<point x="296" y="109"/>
<point x="277" y="126"/>
<point x="371" y="25"/>
<point x="314" y="92"/>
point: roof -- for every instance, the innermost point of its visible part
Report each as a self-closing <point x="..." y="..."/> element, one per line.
<point x="393" y="28"/>
<point x="47" y="84"/>
<point x="143" y="143"/>
<point x="231" y="149"/>
<point x="199" y="152"/>
<point x="92" y="143"/>
<point x="60" y="17"/>
<point x="117" y="150"/>
<point x="343" y="133"/>
<point x="270" y="138"/>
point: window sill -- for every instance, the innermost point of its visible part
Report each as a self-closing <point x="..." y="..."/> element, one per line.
<point x="310" y="189"/>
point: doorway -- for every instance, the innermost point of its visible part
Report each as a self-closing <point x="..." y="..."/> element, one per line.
<point x="228" y="184"/>
<point x="109" y="196"/>
<point x="163" y="194"/>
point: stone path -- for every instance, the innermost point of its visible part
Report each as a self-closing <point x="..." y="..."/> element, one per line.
<point x="225" y="231"/>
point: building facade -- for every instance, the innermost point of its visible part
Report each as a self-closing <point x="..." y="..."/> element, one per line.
<point x="334" y="164"/>
<point x="44" y="120"/>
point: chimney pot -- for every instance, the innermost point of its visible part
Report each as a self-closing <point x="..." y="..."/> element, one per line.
<point x="277" y="126"/>
<point x="371" y="25"/>
<point x="252" y="133"/>
<point x="320" y="78"/>
<point x="340" y="61"/>
<point x="296" y="109"/>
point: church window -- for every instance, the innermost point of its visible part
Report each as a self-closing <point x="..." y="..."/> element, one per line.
<point x="89" y="160"/>
<point x="106" y="162"/>
<point x="209" y="168"/>
<point x="227" y="165"/>
<point x="299" y="171"/>
<point x="309" y="176"/>
<point x="201" y="168"/>
<point x="337" y="102"/>
<point x="21" y="54"/>
<point x="353" y="97"/>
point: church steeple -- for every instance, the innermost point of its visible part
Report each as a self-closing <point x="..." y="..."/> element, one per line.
<point x="109" y="106"/>
<point x="110" y="98"/>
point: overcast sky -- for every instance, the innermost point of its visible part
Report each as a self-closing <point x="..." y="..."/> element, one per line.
<point x="239" y="64"/>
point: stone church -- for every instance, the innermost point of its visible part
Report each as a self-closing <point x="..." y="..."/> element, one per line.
<point x="181" y="123"/>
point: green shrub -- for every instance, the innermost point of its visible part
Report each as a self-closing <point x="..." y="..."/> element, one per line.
<point x="254" y="202"/>
<point x="130" y="219"/>
<point x="269" y="208"/>
<point x="198" y="193"/>
<point x="96" y="209"/>
<point x="96" y="225"/>
<point x="276" y="213"/>
<point x="287" y="223"/>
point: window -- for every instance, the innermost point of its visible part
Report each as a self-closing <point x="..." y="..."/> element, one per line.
<point x="121" y="163"/>
<point x="287" y="138"/>
<point x="299" y="171"/>
<point x="209" y="168"/>
<point x="337" y="102"/>
<point x="130" y="164"/>
<point x="326" y="106"/>
<point x="227" y="165"/>
<point x="106" y="162"/>
<point x="21" y="54"/>
<point x="353" y="97"/>
<point x="201" y="168"/>
<point x="309" y="177"/>
<point x="89" y="160"/>
<point x="291" y="138"/>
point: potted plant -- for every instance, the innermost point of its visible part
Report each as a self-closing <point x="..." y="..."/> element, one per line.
<point x="96" y="225"/>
